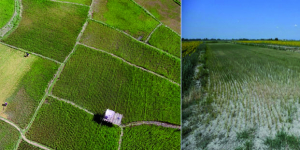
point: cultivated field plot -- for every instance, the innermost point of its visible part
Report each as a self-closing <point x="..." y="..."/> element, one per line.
<point x="22" y="83"/>
<point x="162" y="37"/>
<point x="51" y="32"/>
<point x="8" y="136"/>
<point x="108" y="39"/>
<point x="62" y="126"/>
<point x="97" y="81"/>
<point x="253" y="93"/>
<point x="150" y="137"/>
<point x="167" y="11"/>
<point x="125" y="15"/>
<point x="6" y="11"/>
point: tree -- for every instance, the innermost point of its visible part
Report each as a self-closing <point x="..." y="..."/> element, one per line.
<point x="276" y="39"/>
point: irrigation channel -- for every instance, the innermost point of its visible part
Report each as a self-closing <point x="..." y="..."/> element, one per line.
<point x="252" y="91"/>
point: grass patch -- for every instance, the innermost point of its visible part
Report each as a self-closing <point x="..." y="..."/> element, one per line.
<point x="6" y="11"/>
<point x="8" y="136"/>
<point x="246" y="134"/>
<point x="189" y="62"/>
<point x="62" y="126"/>
<point x="125" y="15"/>
<point x="48" y="28"/>
<point x="98" y="81"/>
<point x="23" y="83"/>
<point x="166" y="39"/>
<point x="166" y="11"/>
<point x="283" y="140"/>
<point x="106" y="38"/>
<point x="26" y="146"/>
<point x="150" y="137"/>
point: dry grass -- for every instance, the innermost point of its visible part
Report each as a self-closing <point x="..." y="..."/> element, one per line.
<point x="13" y="67"/>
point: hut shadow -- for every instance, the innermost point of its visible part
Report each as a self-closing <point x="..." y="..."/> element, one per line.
<point x="98" y="118"/>
<point x="3" y="105"/>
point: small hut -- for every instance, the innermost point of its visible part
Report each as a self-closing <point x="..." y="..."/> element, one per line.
<point x="113" y="117"/>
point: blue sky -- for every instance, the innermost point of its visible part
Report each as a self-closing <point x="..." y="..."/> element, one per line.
<point x="241" y="19"/>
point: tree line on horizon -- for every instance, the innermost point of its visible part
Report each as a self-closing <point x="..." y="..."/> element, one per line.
<point x="240" y="39"/>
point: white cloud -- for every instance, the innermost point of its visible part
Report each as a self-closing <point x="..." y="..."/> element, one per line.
<point x="295" y="25"/>
<point x="277" y="27"/>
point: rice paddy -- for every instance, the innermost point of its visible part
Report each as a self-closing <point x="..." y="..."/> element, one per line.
<point x="6" y="11"/>
<point x="248" y="88"/>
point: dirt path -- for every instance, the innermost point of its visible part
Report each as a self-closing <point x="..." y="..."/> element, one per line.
<point x="120" y="140"/>
<point x="23" y="136"/>
<point x="69" y="102"/>
<point x="16" y="48"/>
<point x="167" y="125"/>
<point x="131" y="63"/>
<point x="11" y="123"/>
<point x="34" y="143"/>
<point x="69" y="3"/>
<point x="152" y="32"/>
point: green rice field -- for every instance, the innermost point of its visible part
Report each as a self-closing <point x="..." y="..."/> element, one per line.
<point x="51" y="32"/>
<point x="125" y="15"/>
<point x="151" y="137"/>
<point x="6" y="11"/>
<point x="97" y="81"/>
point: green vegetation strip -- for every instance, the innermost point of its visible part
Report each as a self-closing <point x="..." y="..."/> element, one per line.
<point x="150" y="137"/>
<point x="97" y="81"/>
<point x="62" y="126"/>
<point x="8" y="136"/>
<point x="125" y="15"/>
<point x="6" y="11"/>
<point x="51" y="32"/>
<point x="108" y="39"/>
<point x="166" y="39"/>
